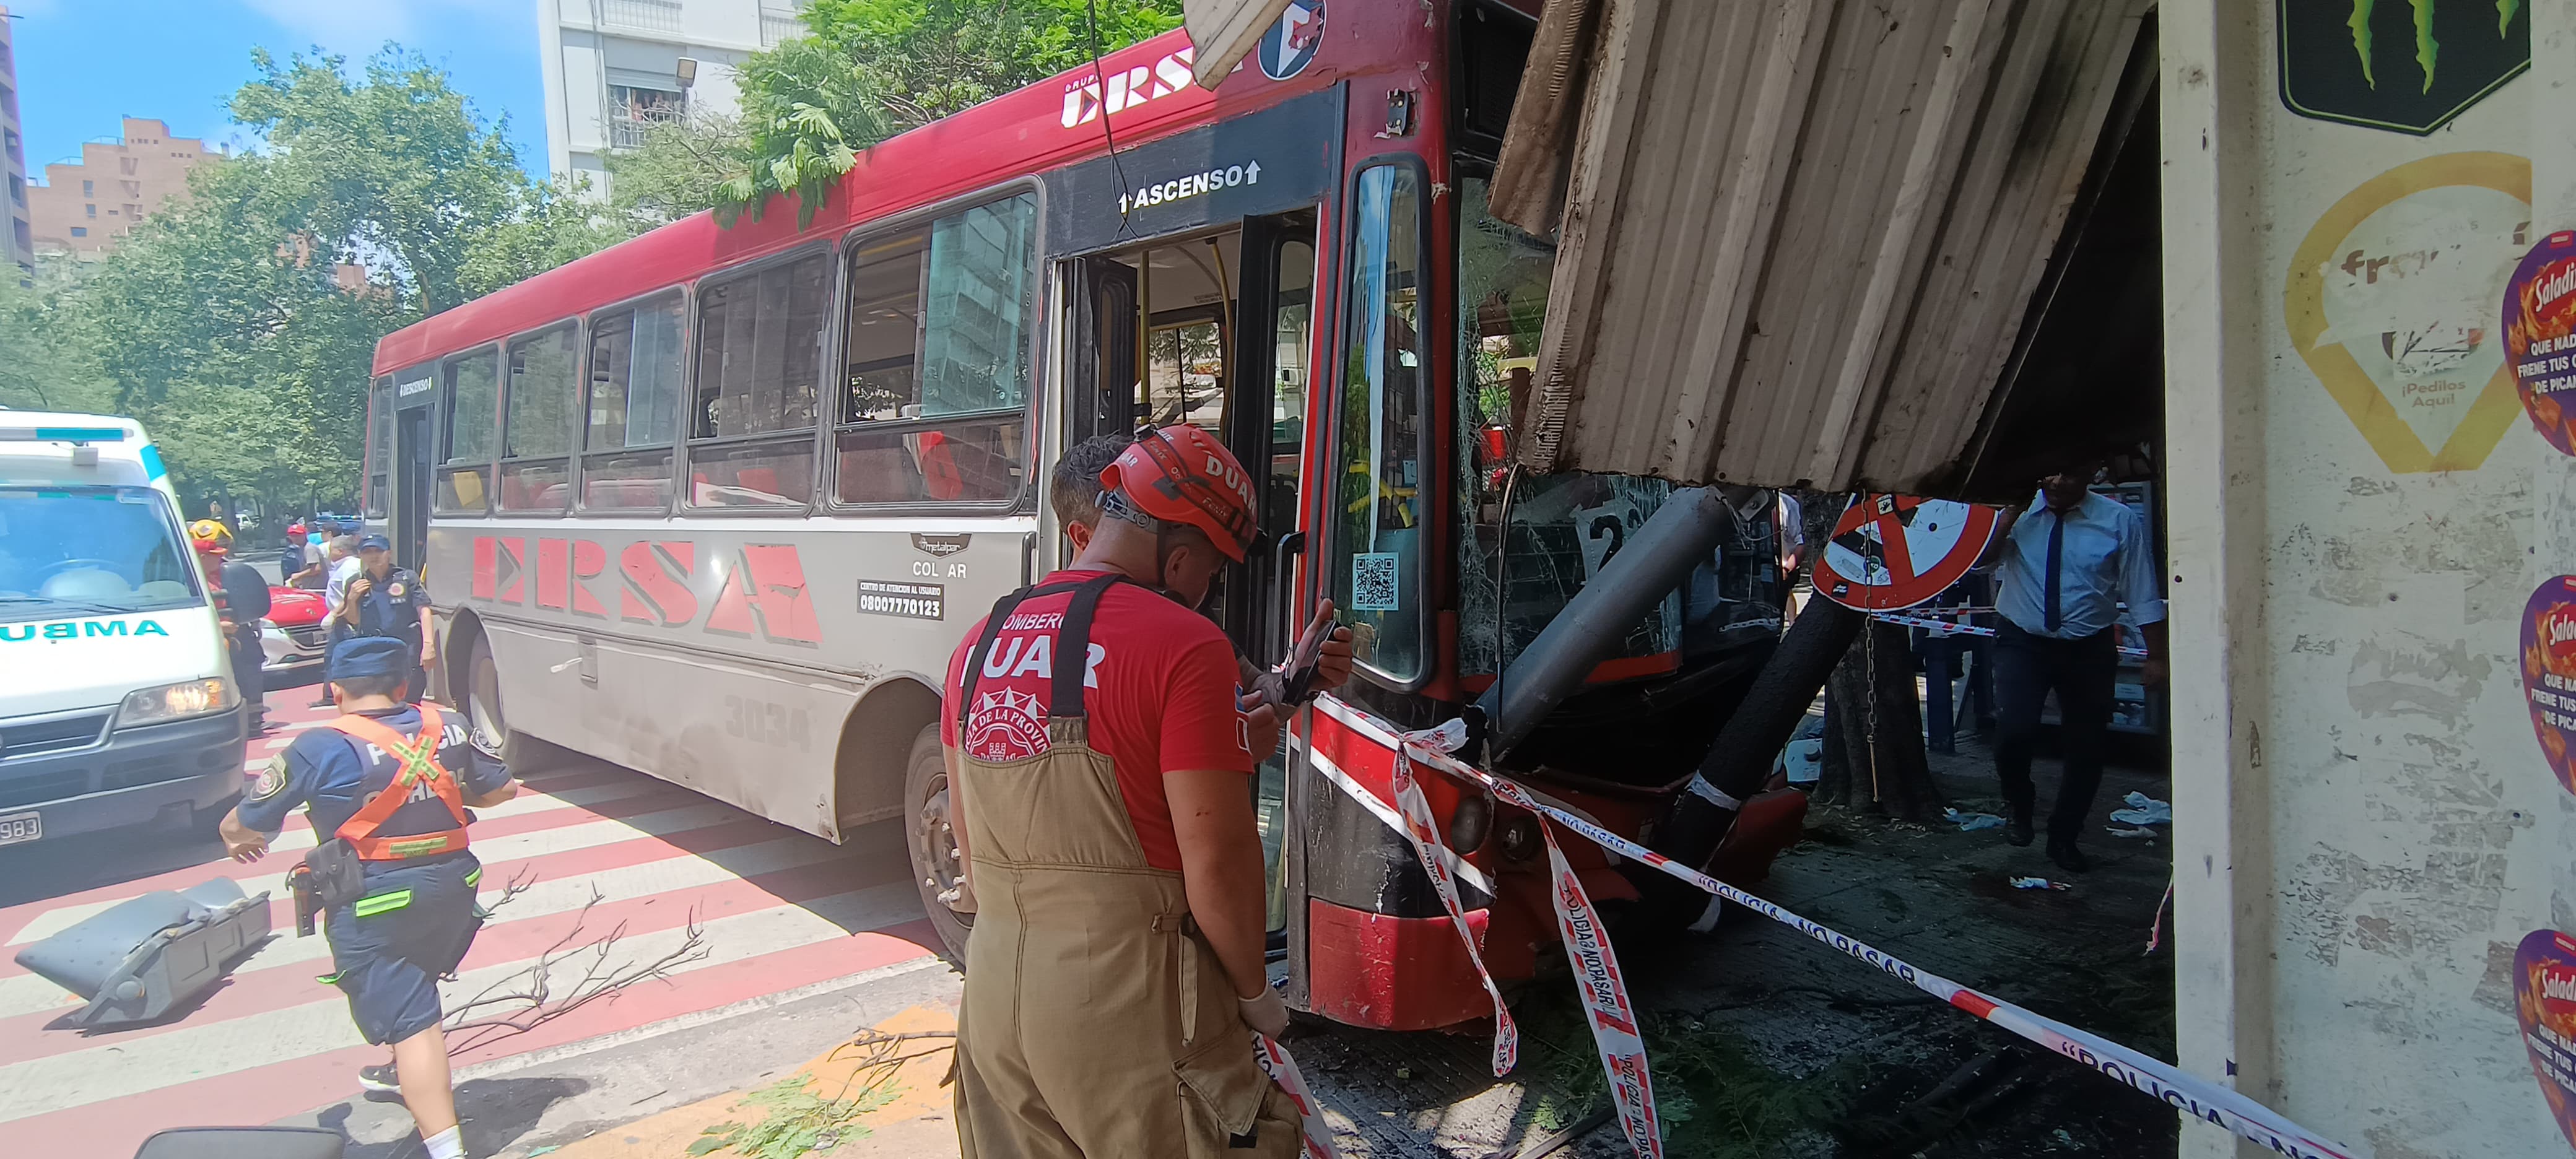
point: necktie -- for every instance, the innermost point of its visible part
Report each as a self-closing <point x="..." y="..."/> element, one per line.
<point x="2056" y="550"/>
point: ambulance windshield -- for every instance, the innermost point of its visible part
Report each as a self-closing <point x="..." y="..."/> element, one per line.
<point x="86" y="551"/>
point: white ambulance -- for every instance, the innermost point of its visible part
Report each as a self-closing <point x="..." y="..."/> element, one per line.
<point x="117" y="703"/>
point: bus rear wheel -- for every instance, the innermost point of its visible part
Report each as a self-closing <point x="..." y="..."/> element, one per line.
<point x="936" y="867"/>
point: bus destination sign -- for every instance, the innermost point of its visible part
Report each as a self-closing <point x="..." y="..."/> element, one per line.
<point x="1271" y="161"/>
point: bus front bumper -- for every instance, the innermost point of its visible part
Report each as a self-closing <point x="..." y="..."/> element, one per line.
<point x="135" y="776"/>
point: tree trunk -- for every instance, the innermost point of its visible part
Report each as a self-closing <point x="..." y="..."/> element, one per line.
<point x="1898" y="781"/>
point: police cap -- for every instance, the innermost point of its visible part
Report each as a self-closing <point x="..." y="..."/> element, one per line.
<point x="363" y="656"/>
<point x="375" y="543"/>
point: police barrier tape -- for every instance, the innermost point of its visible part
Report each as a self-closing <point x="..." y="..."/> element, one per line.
<point x="1425" y="835"/>
<point x="1955" y="628"/>
<point x="1282" y="1070"/>
<point x="2188" y="1094"/>
<point x="1605" y="996"/>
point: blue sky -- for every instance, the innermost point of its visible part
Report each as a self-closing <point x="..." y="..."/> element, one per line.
<point x="83" y="64"/>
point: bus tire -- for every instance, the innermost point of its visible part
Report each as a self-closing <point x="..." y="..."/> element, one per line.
<point x="490" y="727"/>
<point x="933" y="845"/>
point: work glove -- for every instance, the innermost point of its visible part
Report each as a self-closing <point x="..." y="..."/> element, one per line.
<point x="1265" y="1012"/>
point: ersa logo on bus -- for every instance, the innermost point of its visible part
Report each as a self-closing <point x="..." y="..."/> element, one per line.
<point x="760" y="587"/>
<point x="1285" y="51"/>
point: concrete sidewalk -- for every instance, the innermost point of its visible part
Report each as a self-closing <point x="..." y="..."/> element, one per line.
<point x="915" y="1124"/>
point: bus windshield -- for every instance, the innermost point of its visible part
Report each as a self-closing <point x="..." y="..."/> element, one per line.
<point x="69" y="551"/>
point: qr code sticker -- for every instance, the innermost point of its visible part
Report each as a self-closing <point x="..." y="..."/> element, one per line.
<point x="1373" y="582"/>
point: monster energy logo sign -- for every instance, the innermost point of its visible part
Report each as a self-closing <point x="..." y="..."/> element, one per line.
<point x="2407" y="66"/>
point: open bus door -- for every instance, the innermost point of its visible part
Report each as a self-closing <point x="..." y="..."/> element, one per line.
<point x="400" y="429"/>
<point x="1222" y="341"/>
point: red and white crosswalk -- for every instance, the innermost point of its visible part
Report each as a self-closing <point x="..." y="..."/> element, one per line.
<point x="601" y="849"/>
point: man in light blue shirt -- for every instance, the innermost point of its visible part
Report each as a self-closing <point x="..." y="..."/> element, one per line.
<point x="2064" y="568"/>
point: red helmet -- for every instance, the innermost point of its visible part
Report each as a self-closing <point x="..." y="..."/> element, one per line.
<point x="1181" y="474"/>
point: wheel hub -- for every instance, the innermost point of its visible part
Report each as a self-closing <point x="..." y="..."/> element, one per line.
<point x="938" y="843"/>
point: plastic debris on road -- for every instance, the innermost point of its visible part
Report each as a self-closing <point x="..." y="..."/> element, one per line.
<point x="2037" y="883"/>
<point x="1803" y="761"/>
<point x="2126" y="831"/>
<point x="1971" y="822"/>
<point x="2143" y="810"/>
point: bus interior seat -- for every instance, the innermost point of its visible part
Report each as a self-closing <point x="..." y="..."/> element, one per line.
<point x="878" y="472"/>
<point x="627" y="494"/>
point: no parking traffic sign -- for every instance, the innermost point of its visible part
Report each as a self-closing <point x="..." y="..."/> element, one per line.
<point x="1896" y="551"/>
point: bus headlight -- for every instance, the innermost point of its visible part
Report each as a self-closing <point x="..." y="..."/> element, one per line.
<point x="1468" y="825"/>
<point x="176" y="701"/>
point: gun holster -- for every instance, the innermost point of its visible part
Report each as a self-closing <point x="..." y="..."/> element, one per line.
<point x="299" y="885"/>
<point x="337" y="876"/>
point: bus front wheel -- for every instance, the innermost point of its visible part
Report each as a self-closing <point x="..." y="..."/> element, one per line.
<point x="936" y="867"/>
<point x="491" y="730"/>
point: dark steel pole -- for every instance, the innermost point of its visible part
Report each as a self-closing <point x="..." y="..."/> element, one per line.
<point x="1679" y="536"/>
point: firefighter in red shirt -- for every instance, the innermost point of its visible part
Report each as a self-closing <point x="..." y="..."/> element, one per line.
<point x="1099" y="769"/>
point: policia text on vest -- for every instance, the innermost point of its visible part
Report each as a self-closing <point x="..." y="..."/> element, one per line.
<point x="394" y="881"/>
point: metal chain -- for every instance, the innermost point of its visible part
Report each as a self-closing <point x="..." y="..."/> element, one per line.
<point x="1869" y="663"/>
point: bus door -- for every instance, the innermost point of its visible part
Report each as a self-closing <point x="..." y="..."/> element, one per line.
<point x="411" y="487"/>
<point x="1224" y="323"/>
<point x="405" y="448"/>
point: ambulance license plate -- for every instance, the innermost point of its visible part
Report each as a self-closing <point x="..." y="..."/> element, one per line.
<point x="20" y="827"/>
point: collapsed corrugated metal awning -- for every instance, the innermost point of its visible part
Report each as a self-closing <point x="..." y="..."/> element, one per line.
<point x="1799" y="237"/>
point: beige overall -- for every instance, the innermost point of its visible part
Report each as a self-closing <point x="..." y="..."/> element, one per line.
<point x="1096" y="1022"/>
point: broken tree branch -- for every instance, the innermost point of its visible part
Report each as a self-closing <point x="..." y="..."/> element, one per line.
<point x="528" y="999"/>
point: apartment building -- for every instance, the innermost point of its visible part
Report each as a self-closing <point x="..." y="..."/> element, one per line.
<point x="614" y="66"/>
<point x="84" y="208"/>
<point x="17" y="241"/>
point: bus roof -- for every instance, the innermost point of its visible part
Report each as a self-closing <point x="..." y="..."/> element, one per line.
<point x="1048" y="124"/>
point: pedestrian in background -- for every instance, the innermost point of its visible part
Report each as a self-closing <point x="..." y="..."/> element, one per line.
<point x="2067" y="563"/>
<point x="313" y="558"/>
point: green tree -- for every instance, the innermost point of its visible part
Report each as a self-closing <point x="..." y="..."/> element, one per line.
<point x="873" y="68"/>
<point x="806" y="110"/>
<point x="927" y="59"/>
<point x="47" y="360"/>
<point x="240" y="323"/>
<point x="675" y="167"/>
<point x="393" y="169"/>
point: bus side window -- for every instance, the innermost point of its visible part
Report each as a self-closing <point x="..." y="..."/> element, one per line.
<point x="935" y="378"/>
<point x="759" y="372"/>
<point x="536" y="435"/>
<point x="1376" y="561"/>
<point x="634" y="408"/>
<point x="471" y="384"/>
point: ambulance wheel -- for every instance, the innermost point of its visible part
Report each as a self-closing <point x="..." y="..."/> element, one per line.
<point x="936" y="868"/>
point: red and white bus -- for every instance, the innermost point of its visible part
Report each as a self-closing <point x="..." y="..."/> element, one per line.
<point x="718" y="503"/>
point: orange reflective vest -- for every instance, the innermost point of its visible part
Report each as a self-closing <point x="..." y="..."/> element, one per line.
<point x="417" y="762"/>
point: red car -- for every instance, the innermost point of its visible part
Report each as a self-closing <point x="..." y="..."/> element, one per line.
<point x="292" y="636"/>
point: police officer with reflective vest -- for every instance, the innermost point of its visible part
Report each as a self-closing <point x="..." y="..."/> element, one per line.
<point x="1099" y="775"/>
<point x="389" y="783"/>
<point x="388" y="601"/>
